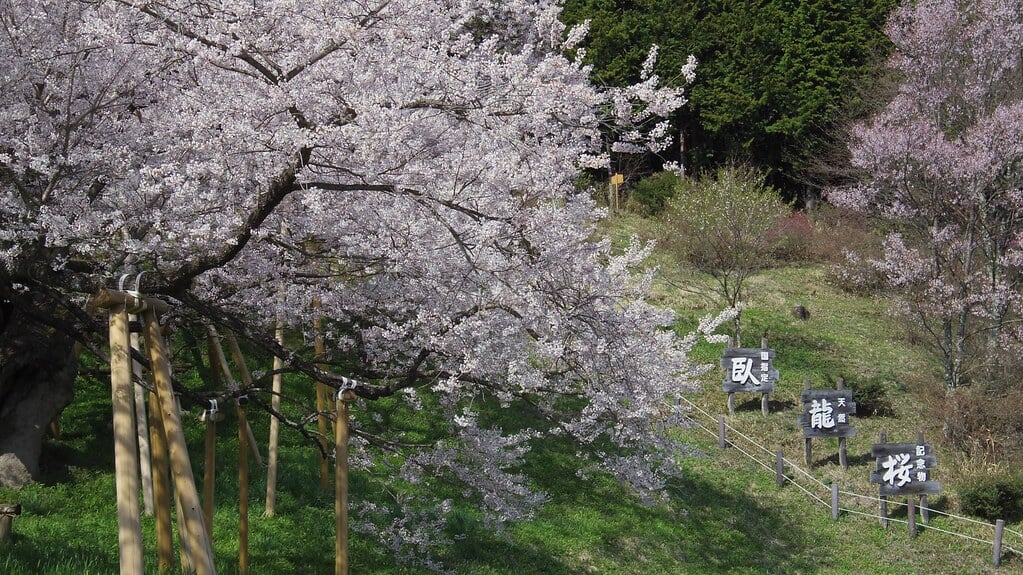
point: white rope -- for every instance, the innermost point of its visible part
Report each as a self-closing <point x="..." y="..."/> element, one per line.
<point x="806" y="473"/>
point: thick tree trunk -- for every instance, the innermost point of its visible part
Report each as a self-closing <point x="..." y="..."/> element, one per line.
<point x="37" y="373"/>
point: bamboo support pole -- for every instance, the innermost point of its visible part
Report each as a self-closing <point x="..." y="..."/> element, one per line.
<point x="126" y="465"/>
<point x="184" y="480"/>
<point x="161" y="486"/>
<point x="142" y="430"/>
<point x="275" y="404"/>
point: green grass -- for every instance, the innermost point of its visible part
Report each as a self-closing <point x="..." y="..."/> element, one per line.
<point x="725" y="513"/>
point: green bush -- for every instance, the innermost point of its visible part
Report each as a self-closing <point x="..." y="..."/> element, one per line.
<point x="994" y="497"/>
<point x="649" y="196"/>
<point x="871" y="397"/>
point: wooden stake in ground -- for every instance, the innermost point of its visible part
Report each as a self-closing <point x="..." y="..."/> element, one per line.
<point x="184" y="480"/>
<point x="243" y="490"/>
<point x="126" y="465"/>
<point x="321" y="399"/>
<point x="161" y="486"/>
<point x="209" y="479"/>
<point x="275" y="404"/>
<point x="341" y="438"/>
<point x="142" y="429"/>
<point x="239" y="360"/>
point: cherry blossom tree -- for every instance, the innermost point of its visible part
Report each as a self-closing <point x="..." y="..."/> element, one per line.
<point x="940" y="167"/>
<point x="406" y="163"/>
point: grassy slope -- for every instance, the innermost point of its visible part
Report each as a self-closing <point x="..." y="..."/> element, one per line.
<point x="726" y="516"/>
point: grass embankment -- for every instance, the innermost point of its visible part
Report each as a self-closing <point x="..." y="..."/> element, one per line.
<point x="726" y="514"/>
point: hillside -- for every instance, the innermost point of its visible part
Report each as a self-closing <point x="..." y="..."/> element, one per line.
<point x="726" y="514"/>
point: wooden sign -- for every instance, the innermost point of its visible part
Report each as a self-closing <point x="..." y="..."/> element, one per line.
<point x="749" y="369"/>
<point x="617" y="180"/>
<point x="904" y="468"/>
<point x="826" y="413"/>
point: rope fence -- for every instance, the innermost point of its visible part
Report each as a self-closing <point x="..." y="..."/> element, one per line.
<point x="833" y="492"/>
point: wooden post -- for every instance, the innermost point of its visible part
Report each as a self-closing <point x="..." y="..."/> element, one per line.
<point x="319" y="349"/>
<point x="779" y="468"/>
<point x="721" y="432"/>
<point x="911" y="513"/>
<point x="243" y="371"/>
<point x="275" y="404"/>
<point x="999" y="531"/>
<point x="925" y="513"/>
<point x="161" y="486"/>
<point x="209" y="477"/>
<point x="834" y="501"/>
<point x="142" y="429"/>
<point x="126" y="464"/>
<point x="808" y="441"/>
<point x="731" y="403"/>
<point x="243" y="491"/>
<point x="883" y="438"/>
<point x="764" y="408"/>
<point x="341" y="438"/>
<point x="8" y="511"/>
<point x="184" y="480"/>
<point x="843" y="452"/>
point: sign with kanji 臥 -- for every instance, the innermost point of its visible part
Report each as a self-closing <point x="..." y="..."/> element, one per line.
<point x="749" y="369"/>
<point x="826" y="413"/>
<point x="904" y="468"/>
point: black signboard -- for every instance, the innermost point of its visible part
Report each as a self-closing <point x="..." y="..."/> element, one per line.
<point x="904" y="468"/>
<point x="749" y="369"/>
<point x="826" y="413"/>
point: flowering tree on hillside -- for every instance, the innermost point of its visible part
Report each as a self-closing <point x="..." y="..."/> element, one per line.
<point x="408" y="164"/>
<point x="940" y="167"/>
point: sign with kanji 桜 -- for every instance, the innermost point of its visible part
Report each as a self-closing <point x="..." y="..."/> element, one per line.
<point x="749" y="369"/>
<point x="826" y="413"/>
<point x="904" y="468"/>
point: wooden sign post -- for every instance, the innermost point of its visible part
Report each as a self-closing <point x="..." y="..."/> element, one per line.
<point x="749" y="370"/>
<point x="826" y="414"/>
<point x="905" y="469"/>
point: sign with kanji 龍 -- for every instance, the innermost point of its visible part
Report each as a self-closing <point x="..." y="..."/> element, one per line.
<point x="826" y="413"/>
<point x="749" y="369"/>
<point x="904" y="468"/>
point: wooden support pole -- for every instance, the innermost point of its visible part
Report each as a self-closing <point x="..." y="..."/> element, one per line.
<point x="161" y="486"/>
<point x="834" y="501"/>
<point x="142" y="430"/>
<point x="779" y="468"/>
<point x="731" y="403"/>
<point x="321" y="398"/>
<point x="243" y="371"/>
<point x="721" y="433"/>
<point x="999" y="531"/>
<point x="911" y="513"/>
<point x="209" y="476"/>
<point x="126" y="464"/>
<point x="341" y="438"/>
<point x="243" y="491"/>
<point x="184" y="480"/>
<point x="275" y="404"/>
<point x="883" y="438"/>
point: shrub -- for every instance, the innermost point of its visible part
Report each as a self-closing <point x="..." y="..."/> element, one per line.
<point x="871" y="397"/>
<point x="649" y="196"/>
<point x="994" y="497"/>
<point x="793" y="238"/>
